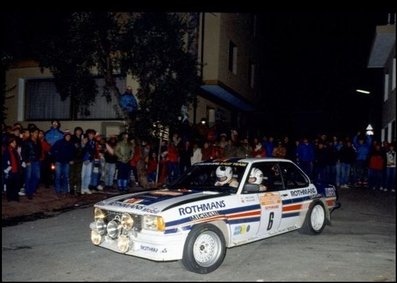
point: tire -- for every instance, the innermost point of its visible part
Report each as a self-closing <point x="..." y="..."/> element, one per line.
<point x="204" y="249"/>
<point x="315" y="219"/>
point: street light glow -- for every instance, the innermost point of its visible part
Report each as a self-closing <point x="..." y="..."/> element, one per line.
<point x="363" y="91"/>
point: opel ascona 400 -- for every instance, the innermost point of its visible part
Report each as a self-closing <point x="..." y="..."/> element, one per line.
<point x="214" y="206"/>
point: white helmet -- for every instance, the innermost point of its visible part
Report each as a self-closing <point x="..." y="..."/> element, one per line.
<point x="224" y="174"/>
<point x="256" y="175"/>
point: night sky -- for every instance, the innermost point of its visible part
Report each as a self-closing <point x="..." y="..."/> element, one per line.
<point x="312" y="63"/>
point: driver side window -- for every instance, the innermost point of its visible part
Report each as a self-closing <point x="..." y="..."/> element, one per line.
<point x="293" y="177"/>
<point x="271" y="176"/>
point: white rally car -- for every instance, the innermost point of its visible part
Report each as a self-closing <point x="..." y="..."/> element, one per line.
<point x="206" y="211"/>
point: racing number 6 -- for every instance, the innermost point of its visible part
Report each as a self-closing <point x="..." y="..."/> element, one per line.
<point x="271" y="217"/>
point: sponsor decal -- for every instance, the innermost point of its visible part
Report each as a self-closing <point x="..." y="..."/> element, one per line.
<point x="149" y="249"/>
<point x="135" y="206"/>
<point x="224" y="164"/>
<point x="301" y="192"/>
<point x="270" y="199"/>
<point x="250" y="198"/>
<point x="197" y="208"/>
<point x="241" y="229"/>
<point x="165" y="193"/>
<point x="267" y="207"/>
<point x="330" y="192"/>
<point x="204" y="215"/>
<point x="133" y="200"/>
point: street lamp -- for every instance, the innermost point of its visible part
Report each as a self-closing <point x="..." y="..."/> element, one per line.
<point x="369" y="130"/>
<point x="363" y="91"/>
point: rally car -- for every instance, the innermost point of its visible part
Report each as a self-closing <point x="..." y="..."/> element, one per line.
<point x="214" y="206"/>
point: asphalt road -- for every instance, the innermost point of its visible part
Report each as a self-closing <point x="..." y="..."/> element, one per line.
<point x="359" y="246"/>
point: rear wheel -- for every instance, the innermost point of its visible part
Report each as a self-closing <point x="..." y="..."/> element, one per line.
<point x="204" y="249"/>
<point x="315" y="219"/>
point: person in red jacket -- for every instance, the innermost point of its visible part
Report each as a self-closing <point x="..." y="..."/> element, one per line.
<point x="375" y="168"/>
<point x="11" y="169"/>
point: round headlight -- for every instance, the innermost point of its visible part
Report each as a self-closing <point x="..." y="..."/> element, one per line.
<point x="100" y="226"/>
<point x="113" y="229"/>
<point x="123" y="243"/>
<point x="96" y="238"/>
<point x="99" y="214"/>
<point x="126" y="221"/>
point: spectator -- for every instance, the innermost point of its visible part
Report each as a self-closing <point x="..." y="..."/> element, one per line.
<point x="124" y="152"/>
<point x="54" y="133"/>
<point x="390" y="183"/>
<point x="89" y="148"/>
<point x="31" y="153"/>
<point x="11" y="169"/>
<point x="375" y="168"/>
<point x="128" y="102"/>
<point x="77" y="164"/>
<point x="45" y="161"/>
<point x="63" y="152"/>
<point x="362" y="147"/>
<point x="110" y="162"/>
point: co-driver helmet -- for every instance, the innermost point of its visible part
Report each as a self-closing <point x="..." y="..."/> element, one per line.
<point x="256" y="175"/>
<point x="224" y="174"/>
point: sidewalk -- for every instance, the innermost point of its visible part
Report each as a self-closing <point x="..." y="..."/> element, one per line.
<point x="45" y="203"/>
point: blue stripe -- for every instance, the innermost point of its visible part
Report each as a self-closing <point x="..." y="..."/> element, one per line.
<point x="240" y="209"/>
<point x="170" y="231"/>
<point x="178" y="222"/>
<point x="285" y="215"/>
<point x="295" y="200"/>
<point x="244" y="220"/>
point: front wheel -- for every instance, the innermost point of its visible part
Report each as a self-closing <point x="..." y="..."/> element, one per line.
<point x="315" y="219"/>
<point x="204" y="249"/>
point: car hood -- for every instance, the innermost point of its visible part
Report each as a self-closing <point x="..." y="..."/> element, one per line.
<point x="154" y="201"/>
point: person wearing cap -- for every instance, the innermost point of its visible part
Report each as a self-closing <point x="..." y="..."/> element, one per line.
<point x="63" y="152"/>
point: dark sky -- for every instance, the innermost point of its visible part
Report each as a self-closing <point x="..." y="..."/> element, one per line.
<point x="312" y="64"/>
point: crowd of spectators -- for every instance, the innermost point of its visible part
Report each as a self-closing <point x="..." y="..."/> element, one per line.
<point x="85" y="161"/>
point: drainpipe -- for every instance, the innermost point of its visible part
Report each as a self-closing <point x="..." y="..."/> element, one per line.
<point x="201" y="66"/>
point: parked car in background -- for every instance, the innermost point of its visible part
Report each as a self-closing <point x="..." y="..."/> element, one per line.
<point x="214" y="206"/>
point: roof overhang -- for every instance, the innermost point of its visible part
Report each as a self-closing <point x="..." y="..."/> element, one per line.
<point x="227" y="96"/>
<point x="384" y="41"/>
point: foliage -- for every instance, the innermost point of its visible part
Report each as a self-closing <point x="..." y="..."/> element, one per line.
<point x="148" y="46"/>
<point x="4" y="65"/>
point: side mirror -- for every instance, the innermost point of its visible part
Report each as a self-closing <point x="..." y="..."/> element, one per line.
<point x="251" y="188"/>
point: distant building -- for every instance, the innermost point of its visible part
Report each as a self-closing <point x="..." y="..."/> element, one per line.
<point x="383" y="55"/>
<point x="226" y="46"/>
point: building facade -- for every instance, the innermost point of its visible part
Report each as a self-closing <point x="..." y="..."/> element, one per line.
<point x="383" y="55"/>
<point x="226" y="46"/>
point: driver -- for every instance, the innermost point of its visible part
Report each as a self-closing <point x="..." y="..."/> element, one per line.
<point x="256" y="178"/>
<point x="224" y="176"/>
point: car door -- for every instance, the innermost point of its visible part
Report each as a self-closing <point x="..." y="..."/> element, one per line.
<point x="269" y="199"/>
<point x="295" y="196"/>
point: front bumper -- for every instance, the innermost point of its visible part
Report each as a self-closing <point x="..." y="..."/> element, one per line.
<point x="156" y="246"/>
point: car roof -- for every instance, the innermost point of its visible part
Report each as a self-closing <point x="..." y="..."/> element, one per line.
<point x="250" y="160"/>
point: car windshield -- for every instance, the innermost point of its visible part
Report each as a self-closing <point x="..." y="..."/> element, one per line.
<point x="217" y="176"/>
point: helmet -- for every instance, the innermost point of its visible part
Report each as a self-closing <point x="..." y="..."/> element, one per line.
<point x="224" y="174"/>
<point x="256" y="175"/>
